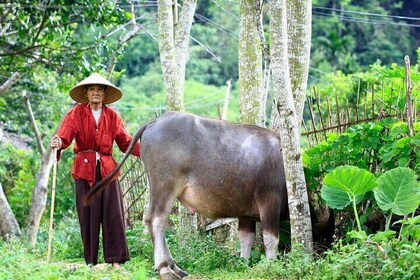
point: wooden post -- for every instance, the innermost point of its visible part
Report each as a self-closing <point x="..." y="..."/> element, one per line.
<point x="390" y="100"/>
<point x="330" y="124"/>
<point x="317" y="100"/>
<point x="373" y="101"/>
<point x="383" y="97"/>
<point x="307" y="134"/>
<point x="338" y="114"/>
<point x="408" y="88"/>
<point x="398" y="101"/>
<point x="219" y="113"/>
<point x="226" y="102"/>
<point x="365" y="109"/>
<point x="348" y="113"/>
<point x="311" y="111"/>
<point x="357" y="101"/>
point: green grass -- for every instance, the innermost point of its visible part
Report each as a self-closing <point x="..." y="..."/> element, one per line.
<point x="204" y="259"/>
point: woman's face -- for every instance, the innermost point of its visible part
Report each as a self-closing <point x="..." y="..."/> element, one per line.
<point x="95" y="93"/>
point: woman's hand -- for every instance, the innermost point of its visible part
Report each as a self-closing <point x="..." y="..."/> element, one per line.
<point x="55" y="142"/>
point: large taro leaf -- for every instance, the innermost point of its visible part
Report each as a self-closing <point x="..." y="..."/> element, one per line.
<point x="398" y="190"/>
<point x="345" y="183"/>
<point x="337" y="198"/>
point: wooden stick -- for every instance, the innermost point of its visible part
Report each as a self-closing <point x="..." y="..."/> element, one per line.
<point x="390" y="99"/>
<point x="347" y="112"/>
<point x="357" y="101"/>
<point x="338" y="114"/>
<point x="383" y="97"/>
<point x="398" y="101"/>
<point x="365" y="114"/>
<point x="226" y="102"/>
<point x="408" y="88"/>
<point x="330" y="124"/>
<point x="219" y="113"/>
<point x="373" y="101"/>
<point x="54" y="179"/>
<point x="311" y="111"/>
<point x="307" y="134"/>
<point x="319" y="110"/>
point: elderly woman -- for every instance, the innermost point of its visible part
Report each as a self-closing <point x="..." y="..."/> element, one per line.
<point x="94" y="127"/>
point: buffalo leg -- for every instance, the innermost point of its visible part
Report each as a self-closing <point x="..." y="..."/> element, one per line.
<point x="156" y="220"/>
<point x="172" y="263"/>
<point x="270" y="228"/>
<point x="246" y="237"/>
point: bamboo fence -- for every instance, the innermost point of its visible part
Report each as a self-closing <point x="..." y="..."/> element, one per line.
<point x="327" y="116"/>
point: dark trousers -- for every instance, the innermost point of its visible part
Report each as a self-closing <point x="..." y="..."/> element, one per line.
<point x="106" y="209"/>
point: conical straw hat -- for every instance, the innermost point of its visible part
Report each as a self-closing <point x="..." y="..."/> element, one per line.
<point x="112" y="93"/>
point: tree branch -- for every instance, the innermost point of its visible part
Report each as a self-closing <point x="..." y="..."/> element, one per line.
<point x="21" y="50"/>
<point x="41" y="26"/>
<point x="41" y="148"/>
<point x="136" y="28"/>
<point x="10" y="82"/>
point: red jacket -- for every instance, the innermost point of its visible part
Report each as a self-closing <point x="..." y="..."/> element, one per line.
<point x="79" y="125"/>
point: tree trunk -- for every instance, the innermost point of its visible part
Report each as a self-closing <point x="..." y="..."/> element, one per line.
<point x="182" y="36"/>
<point x="174" y="35"/>
<point x="288" y="128"/>
<point x="9" y="227"/>
<point x="251" y="95"/>
<point x="266" y="56"/>
<point x="39" y="195"/>
<point x="299" y="17"/>
<point x="170" y="70"/>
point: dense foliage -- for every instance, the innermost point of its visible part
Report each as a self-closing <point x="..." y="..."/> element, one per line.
<point x="49" y="35"/>
<point x="350" y="35"/>
<point x="378" y="147"/>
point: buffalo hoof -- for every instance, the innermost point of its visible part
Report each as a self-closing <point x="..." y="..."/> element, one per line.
<point x="181" y="273"/>
<point x="169" y="274"/>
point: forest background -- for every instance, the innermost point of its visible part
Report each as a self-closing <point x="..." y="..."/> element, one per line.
<point x="351" y="41"/>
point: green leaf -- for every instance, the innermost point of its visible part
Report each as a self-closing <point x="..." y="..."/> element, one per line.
<point x="336" y="198"/>
<point x="361" y="235"/>
<point x="398" y="191"/>
<point x="128" y="15"/>
<point x="412" y="230"/>
<point x="351" y="179"/>
<point x="387" y="157"/>
<point x="306" y="159"/>
<point x="410" y="221"/>
<point x="411" y="227"/>
<point x="383" y="235"/>
<point x="398" y="128"/>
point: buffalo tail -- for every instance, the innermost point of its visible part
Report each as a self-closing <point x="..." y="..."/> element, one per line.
<point x="100" y="186"/>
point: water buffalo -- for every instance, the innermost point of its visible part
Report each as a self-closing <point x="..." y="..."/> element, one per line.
<point x="213" y="167"/>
